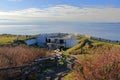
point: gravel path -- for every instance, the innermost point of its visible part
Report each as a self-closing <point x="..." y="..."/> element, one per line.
<point x="57" y="73"/>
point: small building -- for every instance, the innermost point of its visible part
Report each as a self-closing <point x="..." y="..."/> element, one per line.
<point x="61" y="41"/>
<point x="54" y="41"/>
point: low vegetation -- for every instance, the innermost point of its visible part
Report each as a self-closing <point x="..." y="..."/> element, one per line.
<point x="96" y="60"/>
<point x="20" y="55"/>
<point x="10" y="39"/>
<point x="87" y="45"/>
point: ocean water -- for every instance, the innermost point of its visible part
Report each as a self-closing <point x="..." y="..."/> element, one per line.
<point x="101" y="30"/>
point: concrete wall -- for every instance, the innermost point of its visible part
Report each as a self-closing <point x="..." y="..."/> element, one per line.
<point x="70" y="42"/>
<point x="41" y="41"/>
<point x="31" y="42"/>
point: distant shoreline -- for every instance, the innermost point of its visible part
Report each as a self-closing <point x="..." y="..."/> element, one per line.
<point x="96" y="38"/>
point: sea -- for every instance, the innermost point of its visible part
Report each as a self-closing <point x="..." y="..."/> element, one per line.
<point x="101" y="30"/>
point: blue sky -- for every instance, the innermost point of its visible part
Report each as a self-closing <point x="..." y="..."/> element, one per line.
<point x="40" y="11"/>
<point x="22" y="4"/>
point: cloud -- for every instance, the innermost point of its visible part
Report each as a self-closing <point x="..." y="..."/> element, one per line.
<point x="61" y="13"/>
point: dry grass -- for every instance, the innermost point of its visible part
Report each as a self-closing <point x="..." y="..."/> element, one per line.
<point x="106" y="66"/>
<point x="96" y="60"/>
<point x="17" y="56"/>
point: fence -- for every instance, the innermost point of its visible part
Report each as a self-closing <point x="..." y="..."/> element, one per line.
<point x="21" y="72"/>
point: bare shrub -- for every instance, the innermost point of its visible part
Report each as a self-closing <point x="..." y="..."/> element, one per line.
<point x="106" y="66"/>
<point x="17" y="56"/>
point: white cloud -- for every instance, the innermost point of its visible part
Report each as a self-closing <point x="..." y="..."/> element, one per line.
<point x="62" y="13"/>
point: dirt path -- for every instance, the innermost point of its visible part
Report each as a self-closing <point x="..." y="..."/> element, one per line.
<point x="57" y="73"/>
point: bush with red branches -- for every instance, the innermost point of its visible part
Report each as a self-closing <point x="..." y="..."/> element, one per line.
<point x="106" y="66"/>
<point x="18" y="56"/>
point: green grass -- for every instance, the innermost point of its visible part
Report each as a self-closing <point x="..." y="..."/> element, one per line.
<point x="93" y="51"/>
<point x="70" y="76"/>
<point x="8" y="38"/>
<point x="88" y="45"/>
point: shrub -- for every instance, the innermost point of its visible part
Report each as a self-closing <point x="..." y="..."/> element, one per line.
<point x="17" y="56"/>
<point x="106" y="66"/>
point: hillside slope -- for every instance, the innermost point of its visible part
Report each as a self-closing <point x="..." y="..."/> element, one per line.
<point x="95" y="60"/>
<point x="89" y="45"/>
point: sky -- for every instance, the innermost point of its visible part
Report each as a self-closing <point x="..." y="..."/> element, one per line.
<point x="42" y="11"/>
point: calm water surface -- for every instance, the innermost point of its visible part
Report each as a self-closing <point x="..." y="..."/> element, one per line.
<point x="102" y="30"/>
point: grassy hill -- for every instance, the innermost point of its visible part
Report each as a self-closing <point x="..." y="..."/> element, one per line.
<point x="9" y="39"/>
<point x="90" y="59"/>
<point x="95" y="60"/>
<point x="90" y="45"/>
<point x="18" y="55"/>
